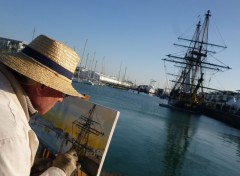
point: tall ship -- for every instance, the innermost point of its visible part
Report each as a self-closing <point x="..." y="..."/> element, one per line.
<point x="189" y="85"/>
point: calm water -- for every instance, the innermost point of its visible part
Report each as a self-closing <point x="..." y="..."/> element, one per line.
<point x="150" y="140"/>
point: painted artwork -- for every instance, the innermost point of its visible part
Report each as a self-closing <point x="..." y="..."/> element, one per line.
<point x="77" y="123"/>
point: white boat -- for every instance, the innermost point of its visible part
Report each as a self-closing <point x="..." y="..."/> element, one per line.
<point x="150" y="89"/>
<point x="89" y="82"/>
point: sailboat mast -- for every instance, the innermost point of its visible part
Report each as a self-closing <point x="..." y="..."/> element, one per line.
<point x="205" y="33"/>
<point x="204" y="47"/>
<point x="196" y="55"/>
<point x="83" y="52"/>
<point x="186" y="79"/>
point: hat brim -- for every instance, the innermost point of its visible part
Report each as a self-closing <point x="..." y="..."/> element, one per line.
<point x="39" y="73"/>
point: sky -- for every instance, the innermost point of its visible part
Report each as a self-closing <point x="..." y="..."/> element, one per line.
<point x="128" y="35"/>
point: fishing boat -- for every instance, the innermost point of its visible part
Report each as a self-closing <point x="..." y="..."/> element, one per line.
<point x="189" y="84"/>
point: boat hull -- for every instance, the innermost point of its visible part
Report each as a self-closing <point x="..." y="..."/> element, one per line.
<point x="226" y="117"/>
<point x="178" y="108"/>
<point x="184" y="105"/>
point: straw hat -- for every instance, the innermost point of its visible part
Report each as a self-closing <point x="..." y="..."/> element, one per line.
<point x="46" y="61"/>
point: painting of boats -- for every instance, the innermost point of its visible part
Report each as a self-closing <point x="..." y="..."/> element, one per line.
<point x="77" y="123"/>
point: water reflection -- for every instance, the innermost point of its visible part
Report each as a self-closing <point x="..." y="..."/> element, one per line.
<point x="179" y="135"/>
<point x="234" y="141"/>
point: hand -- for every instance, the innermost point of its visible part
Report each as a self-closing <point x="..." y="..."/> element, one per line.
<point x="67" y="162"/>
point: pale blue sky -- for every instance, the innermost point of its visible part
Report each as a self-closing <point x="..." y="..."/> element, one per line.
<point x="135" y="34"/>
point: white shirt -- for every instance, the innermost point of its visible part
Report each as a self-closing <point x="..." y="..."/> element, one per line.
<point x="18" y="142"/>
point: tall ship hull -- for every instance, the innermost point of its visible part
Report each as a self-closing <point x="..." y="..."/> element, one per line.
<point x="223" y="116"/>
<point x="185" y="105"/>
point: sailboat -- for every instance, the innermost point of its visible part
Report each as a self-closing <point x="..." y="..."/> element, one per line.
<point x="188" y="88"/>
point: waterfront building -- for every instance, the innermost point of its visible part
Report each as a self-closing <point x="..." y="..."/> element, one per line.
<point x="10" y="45"/>
<point x="83" y="74"/>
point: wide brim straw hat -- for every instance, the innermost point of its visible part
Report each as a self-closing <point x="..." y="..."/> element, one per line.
<point x="46" y="61"/>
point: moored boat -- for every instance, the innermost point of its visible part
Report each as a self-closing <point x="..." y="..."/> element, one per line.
<point x="190" y="84"/>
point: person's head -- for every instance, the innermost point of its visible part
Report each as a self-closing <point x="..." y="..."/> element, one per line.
<point x="43" y="98"/>
<point x="47" y="67"/>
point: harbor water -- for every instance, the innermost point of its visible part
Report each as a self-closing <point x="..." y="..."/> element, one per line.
<point x="150" y="140"/>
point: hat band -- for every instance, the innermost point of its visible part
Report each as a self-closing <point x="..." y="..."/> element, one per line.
<point x="47" y="62"/>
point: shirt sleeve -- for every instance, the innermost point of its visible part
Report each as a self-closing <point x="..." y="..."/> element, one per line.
<point x="15" y="153"/>
<point x="53" y="171"/>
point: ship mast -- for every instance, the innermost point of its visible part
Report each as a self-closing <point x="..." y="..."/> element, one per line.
<point x="86" y="127"/>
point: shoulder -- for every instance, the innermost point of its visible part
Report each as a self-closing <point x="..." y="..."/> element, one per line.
<point x="11" y="110"/>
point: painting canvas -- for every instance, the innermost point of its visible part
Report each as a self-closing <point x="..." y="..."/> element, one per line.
<point x="77" y="123"/>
